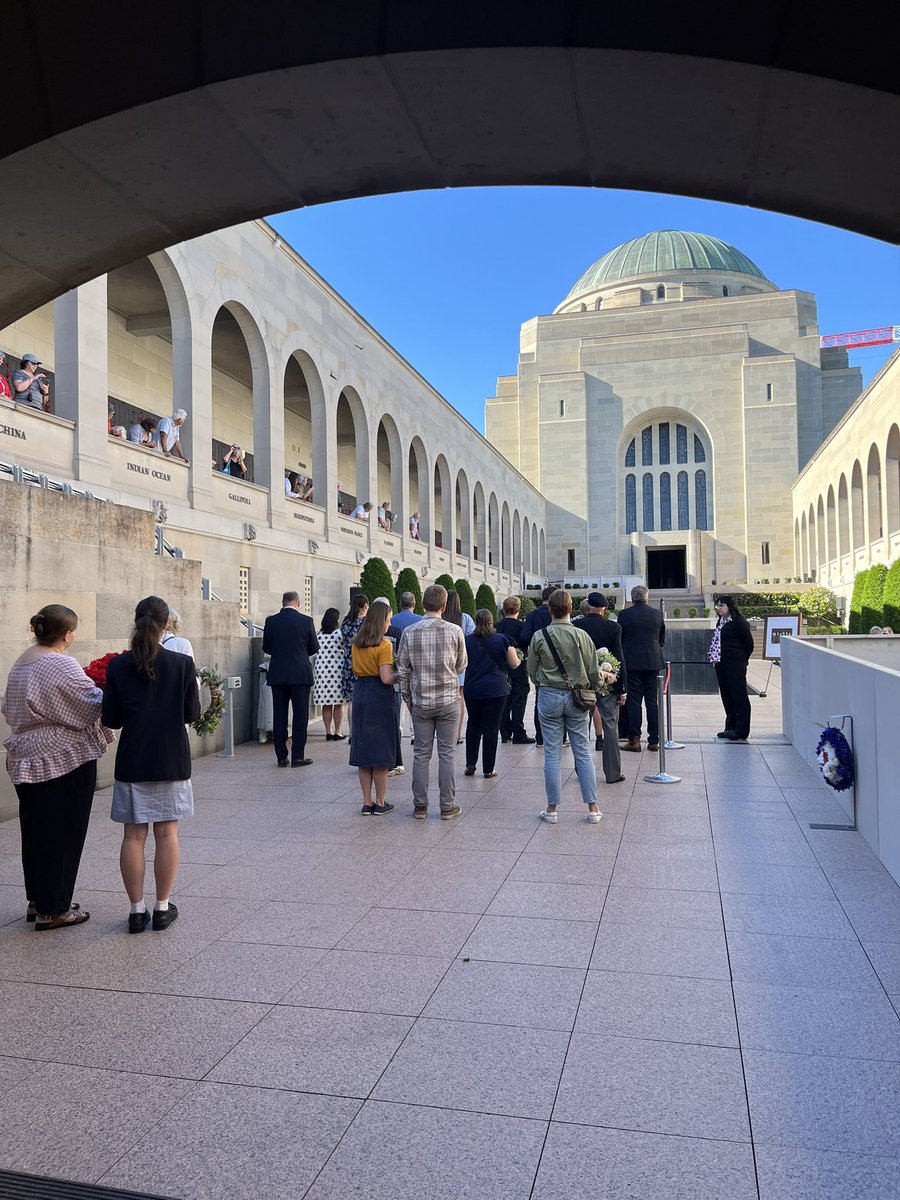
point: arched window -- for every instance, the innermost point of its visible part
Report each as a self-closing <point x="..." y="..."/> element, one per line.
<point x="664" y="451"/>
<point x="630" y="504"/>
<point x="629" y="454"/>
<point x="681" y="443"/>
<point x="647" y="446"/>
<point x="665" y="500"/>
<point x="684" y="517"/>
<point x="599" y="303"/>
<point x="699" y="451"/>
<point x="724" y="290"/>
<point x="700" y="499"/>
<point x="647" y="485"/>
<point x="661" y="292"/>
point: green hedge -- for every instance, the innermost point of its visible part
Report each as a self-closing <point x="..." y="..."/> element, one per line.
<point x="892" y="597"/>
<point x="485" y="598"/>
<point x="466" y="596"/>
<point x="776" y="601"/>
<point x="528" y="606"/>
<point x="408" y="581"/>
<point x="855" y="623"/>
<point x="873" y="598"/>
<point x="446" y="581"/>
<point x="376" y="581"/>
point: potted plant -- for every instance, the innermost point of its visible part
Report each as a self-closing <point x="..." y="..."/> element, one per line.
<point x="692" y="612"/>
<point x="676" y="613"/>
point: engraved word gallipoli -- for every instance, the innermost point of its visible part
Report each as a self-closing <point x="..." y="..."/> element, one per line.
<point x="152" y="472"/>
<point x="238" y="499"/>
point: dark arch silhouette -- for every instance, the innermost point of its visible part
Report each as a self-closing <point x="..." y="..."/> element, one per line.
<point x="152" y="123"/>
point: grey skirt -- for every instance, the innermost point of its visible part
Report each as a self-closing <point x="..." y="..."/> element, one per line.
<point x="144" y="803"/>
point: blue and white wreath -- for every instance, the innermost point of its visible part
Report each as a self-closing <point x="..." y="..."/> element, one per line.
<point x="835" y="759"/>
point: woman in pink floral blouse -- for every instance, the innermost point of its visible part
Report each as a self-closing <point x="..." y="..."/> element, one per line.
<point x="53" y="710"/>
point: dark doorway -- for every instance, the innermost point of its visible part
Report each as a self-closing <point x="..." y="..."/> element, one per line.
<point x="667" y="567"/>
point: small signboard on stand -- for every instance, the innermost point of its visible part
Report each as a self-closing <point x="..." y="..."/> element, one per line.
<point x="777" y="627"/>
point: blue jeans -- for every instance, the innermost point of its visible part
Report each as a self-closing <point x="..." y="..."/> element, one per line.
<point x="559" y="715"/>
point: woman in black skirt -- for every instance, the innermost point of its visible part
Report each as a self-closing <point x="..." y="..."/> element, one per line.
<point x="730" y="650"/>
<point x="375" y="746"/>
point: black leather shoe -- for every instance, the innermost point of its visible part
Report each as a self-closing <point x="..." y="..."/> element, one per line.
<point x="138" y="922"/>
<point x="539" y="741"/>
<point x="598" y="744"/>
<point x="163" y="918"/>
<point x="523" y="741"/>
<point x="301" y="762"/>
<point x="282" y="762"/>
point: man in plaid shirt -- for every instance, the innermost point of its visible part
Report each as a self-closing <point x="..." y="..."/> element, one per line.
<point x="431" y="655"/>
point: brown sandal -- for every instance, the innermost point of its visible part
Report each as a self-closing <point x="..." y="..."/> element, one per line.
<point x="62" y="921"/>
<point x="31" y="913"/>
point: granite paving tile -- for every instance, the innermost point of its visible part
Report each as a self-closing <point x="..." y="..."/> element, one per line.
<point x="495" y="1069"/>
<point x="573" y="835"/>
<point x="885" y="958"/>
<point x="484" y="1156"/>
<point x="876" y="886"/>
<point x="410" y="931"/>
<point x="788" y="915"/>
<point x="653" y="906"/>
<point x="656" y="950"/>
<point x="314" y="1050"/>
<point x="806" y="1020"/>
<point x="291" y="924"/>
<point x="683" y="866"/>
<point x="241" y="971"/>
<point x="239" y="1142"/>
<point x="650" y="827"/>
<point x="529" y="940"/>
<point x="508" y="994"/>
<point x="616" y="1164"/>
<point x="538" y="867"/>
<point x="182" y="1037"/>
<point x="370" y="983"/>
<point x="12" y="1070"/>
<point x="794" y="1174"/>
<point x="654" y="1087"/>
<point x="107" y="1111"/>
<point x="573" y="901"/>
<point x="819" y="1102"/>
<point x="663" y="1007"/>
<point x="774" y="879"/>
<point x="788" y="850"/>
<point x="800" y="962"/>
<point x="874" y="921"/>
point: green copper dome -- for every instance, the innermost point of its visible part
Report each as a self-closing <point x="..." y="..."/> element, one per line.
<point x="664" y="250"/>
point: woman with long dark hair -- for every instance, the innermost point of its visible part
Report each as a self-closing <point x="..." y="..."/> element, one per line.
<point x="486" y="690"/>
<point x="375" y="746"/>
<point x="730" y="650"/>
<point x="327" y="680"/>
<point x="53" y="712"/>
<point x="455" y="615"/>
<point x="151" y="695"/>
<point x="350" y="627"/>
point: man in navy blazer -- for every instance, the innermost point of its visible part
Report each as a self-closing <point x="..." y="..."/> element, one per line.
<point x="643" y="636"/>
<point x="290" y="638"/>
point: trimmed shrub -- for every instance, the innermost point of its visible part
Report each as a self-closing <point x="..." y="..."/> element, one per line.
<point x="408" y="581"/>
<point x="892" y="597"/>
<point x="527" y="606"/>
<point x="466" y="596"/>
<point x="692" y="612"/>
<point x="676" y="613"/>
<point x="485" y="598"/>
<point x="854" y="625"/>
<point x="376" y="581"/>
<point x="873" y="598"/>
<point x="446" y="581"/>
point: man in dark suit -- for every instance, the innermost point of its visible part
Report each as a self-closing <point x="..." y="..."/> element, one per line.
<point x="290" y="638"/>
<point x="643" y="636"/>
<point x="606" y="635"/>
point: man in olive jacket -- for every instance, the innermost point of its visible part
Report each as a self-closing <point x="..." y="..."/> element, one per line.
<point x="643" y="637"/>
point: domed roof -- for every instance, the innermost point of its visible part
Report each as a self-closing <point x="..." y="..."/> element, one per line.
<point x="664" y="250"/>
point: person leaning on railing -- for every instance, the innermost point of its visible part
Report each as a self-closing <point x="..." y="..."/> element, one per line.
<point x="30" y="386"/>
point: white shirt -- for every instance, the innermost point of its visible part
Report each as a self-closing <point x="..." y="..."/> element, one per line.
<point x="172" y="431"/>
<point x="360" y="513"/>
<point x="178" y="645"/>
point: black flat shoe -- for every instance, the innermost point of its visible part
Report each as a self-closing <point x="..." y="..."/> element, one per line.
<point x="339" y="737"/>
<point x="301" y="762"/>
<point x="282" y="762"/>
<point x="163" y="918"/>
<point x="525" y="741"/>
<point x="138" y="922"/>
<point x="378" y="810"/>
<point x="329" y="737"/>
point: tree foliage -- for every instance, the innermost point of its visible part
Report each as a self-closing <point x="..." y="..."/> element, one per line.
<point x="817" y="604"/>
<point x="376" y="581"/>
<point x="892" y="597"/>
<point x="466" y="596"/>
<point x="854" y="624"/>
<point x="485" y="598"/>
<point x="408" y="581"/>
<point x="527" y="606"/>
<point x="446" y="581"/>
<point x="873" y="598"/>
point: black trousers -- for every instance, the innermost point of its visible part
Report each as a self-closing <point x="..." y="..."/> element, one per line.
<point x="731" y="676"/>
<point x="642" y="687"/>
<point x="297" y="695"/>
<point x="512" y="720"/>
<point x="54" y="821"/>
<point x="483" y="726"/>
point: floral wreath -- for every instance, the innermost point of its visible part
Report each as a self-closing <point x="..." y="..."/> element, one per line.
<point x="208" y="721"/>
<point x="609" y="667"/>
<point x="835" y="759"/>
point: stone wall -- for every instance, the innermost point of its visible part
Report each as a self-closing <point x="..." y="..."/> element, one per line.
<point x="99" y="559"/>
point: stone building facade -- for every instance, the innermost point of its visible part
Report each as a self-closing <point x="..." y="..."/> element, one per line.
<point x="665" y="408"/>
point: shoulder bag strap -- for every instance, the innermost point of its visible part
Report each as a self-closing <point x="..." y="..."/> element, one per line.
<point x="555" y="653"/>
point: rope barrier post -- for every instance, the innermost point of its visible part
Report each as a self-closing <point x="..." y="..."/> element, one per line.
<point x="232" y="683"/>
<point x="670" y="744"/>
<point x="662" y="775"/>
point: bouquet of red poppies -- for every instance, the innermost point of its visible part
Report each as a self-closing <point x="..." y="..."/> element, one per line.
<point x="96" y="670"/>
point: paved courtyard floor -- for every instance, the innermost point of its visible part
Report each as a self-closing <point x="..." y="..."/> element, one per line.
<point x="696" y="999"/>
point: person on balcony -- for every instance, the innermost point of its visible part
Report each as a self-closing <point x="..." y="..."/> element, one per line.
<point x="5" y="393"/>
<point x="385" y="516"/>
<point x="362" y="511"/>
<point x="414" y="527"/>
<point x="233" y="463"/>
<point x="169" y="434"/>
<point x="29" y="385"/>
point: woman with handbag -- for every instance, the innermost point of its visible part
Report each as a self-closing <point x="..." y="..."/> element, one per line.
<point x="562" y="662"/>
<point x="491" y="656"/>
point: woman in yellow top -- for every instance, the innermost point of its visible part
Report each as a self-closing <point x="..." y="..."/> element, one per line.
<point x="375" y="746"/>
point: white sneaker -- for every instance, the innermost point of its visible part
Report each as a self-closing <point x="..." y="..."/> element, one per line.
<point x="595" y="817"/>
<point x="397" y="771"/>
<point x="549" y="817"/>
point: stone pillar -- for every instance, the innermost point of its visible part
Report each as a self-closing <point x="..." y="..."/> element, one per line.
<point x="82" y="376"/>
<point x="268" y="438"/>
<point x="192" y="391"/>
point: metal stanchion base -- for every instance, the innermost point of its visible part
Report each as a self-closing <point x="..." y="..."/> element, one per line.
<point x="669" y="745"/>
<point x="225" y="754"/>
<point x="662" y="777"/>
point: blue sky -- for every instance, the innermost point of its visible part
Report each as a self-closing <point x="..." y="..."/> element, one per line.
<point x="448" y="277"/>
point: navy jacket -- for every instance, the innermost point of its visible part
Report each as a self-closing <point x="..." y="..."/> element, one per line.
<point x="538" y="618"/>
<point x="290" y="637"/>
<point x="606" y="635"/>
<point x="643" y="636"/>
<point x="152" y="714"/>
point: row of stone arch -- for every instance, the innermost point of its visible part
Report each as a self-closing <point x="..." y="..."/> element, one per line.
<point x="862" y="510"/>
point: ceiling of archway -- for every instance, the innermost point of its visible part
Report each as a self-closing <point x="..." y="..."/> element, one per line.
<point x="150" y="124"/>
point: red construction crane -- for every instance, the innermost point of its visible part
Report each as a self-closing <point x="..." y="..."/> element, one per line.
<point x="862" y="337"/>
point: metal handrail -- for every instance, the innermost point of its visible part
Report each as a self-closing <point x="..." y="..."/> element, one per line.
<point x="39" y="479"/>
